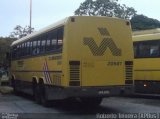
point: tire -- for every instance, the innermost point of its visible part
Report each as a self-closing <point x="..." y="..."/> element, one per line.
<point x="36" y="93"/>
<point x="13" y="85"/>
<point x="43" y="96"/>
<point x="91" y="101"/>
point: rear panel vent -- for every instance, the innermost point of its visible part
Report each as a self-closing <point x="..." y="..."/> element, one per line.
<point x="74" y="73"/>
<point x="129" y="72"/>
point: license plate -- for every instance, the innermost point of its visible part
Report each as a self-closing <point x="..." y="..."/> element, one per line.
<point x="103" y="92"/>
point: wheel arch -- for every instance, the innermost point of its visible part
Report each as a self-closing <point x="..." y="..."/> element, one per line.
<point x="41" y="80"/>
<point x="34" y="79"/>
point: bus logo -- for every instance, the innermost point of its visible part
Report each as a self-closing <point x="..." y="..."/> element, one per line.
<point x="107" y="42"/>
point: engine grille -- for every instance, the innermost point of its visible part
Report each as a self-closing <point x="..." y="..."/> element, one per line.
<point x="129" y="72"/>
<point x="74" y="73"/>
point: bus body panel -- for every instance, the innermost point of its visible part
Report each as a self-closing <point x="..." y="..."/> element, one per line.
<point x="147" y="69"/>
<point x="27" y="68"/>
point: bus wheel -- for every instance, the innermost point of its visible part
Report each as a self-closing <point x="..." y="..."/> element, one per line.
<point x="43" y="96"/>
<point x="91" y="101"/>
<point x="13" y="85"/>
<point x="36" y="93"/>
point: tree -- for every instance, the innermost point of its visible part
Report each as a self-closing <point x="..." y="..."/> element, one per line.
<point x="141" y="22"/>
<point x="4" y="48"/>
<point x="109" y="8"/>
<point x="20" y="32"/>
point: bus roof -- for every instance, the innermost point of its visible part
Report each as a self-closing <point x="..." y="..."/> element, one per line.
<point x="46" y="29"/>
<point x="146" y="37"/>
<point x="142" y="32"/>
<point x="55" y="25"/>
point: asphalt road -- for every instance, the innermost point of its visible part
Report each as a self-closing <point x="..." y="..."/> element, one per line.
<point x="114" y="107"/>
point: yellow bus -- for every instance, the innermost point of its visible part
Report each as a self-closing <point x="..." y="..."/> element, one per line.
<point x="146" y="63"/>
<point x="80" y="57"/>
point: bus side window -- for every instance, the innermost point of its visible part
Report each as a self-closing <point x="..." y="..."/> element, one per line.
<point x="53" y="44"/>
<point x="25" y="49"/>
<point x="135" y="49"/>
<point x="48" y="44"/>
<point x="17" y="51"/>
<point x="43" y="43"/>
<point x="53" y="37"/>
<point x="154" y="49"/>
<point x="148" y="49"/>
<point x="38" y="46"/>
<point x="20" y="51"/>
<point x="34" y="51"/>
<point x="28" y="47"/>
<point x="144" y="50"/>
<point x="60" y="38"/>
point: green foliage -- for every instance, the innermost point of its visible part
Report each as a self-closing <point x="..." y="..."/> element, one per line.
<point x="4" y="48"/>
<point x="141" y="22"/>
<point x="109" y="8"/>
<point x="20" y="32"/>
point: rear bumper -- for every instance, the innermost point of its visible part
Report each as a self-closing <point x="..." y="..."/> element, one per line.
<point x="147" y="86"/>
<point x="78" y="92"/>
<point x="99" y="91"/>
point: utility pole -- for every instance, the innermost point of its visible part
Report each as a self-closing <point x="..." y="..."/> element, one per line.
<point x="30" y="25"/>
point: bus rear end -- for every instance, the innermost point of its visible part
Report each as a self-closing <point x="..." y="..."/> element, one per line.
<point x="99" y="57"/>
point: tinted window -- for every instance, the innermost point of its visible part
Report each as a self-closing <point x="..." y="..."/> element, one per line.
<point x="60" y="38"/>
<point x="28" y="48"/>
<point x="53" y="40"/>
<point x="43" y="43"/>
<point x="147" y="49"/>
<point x="50" y="42"/>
